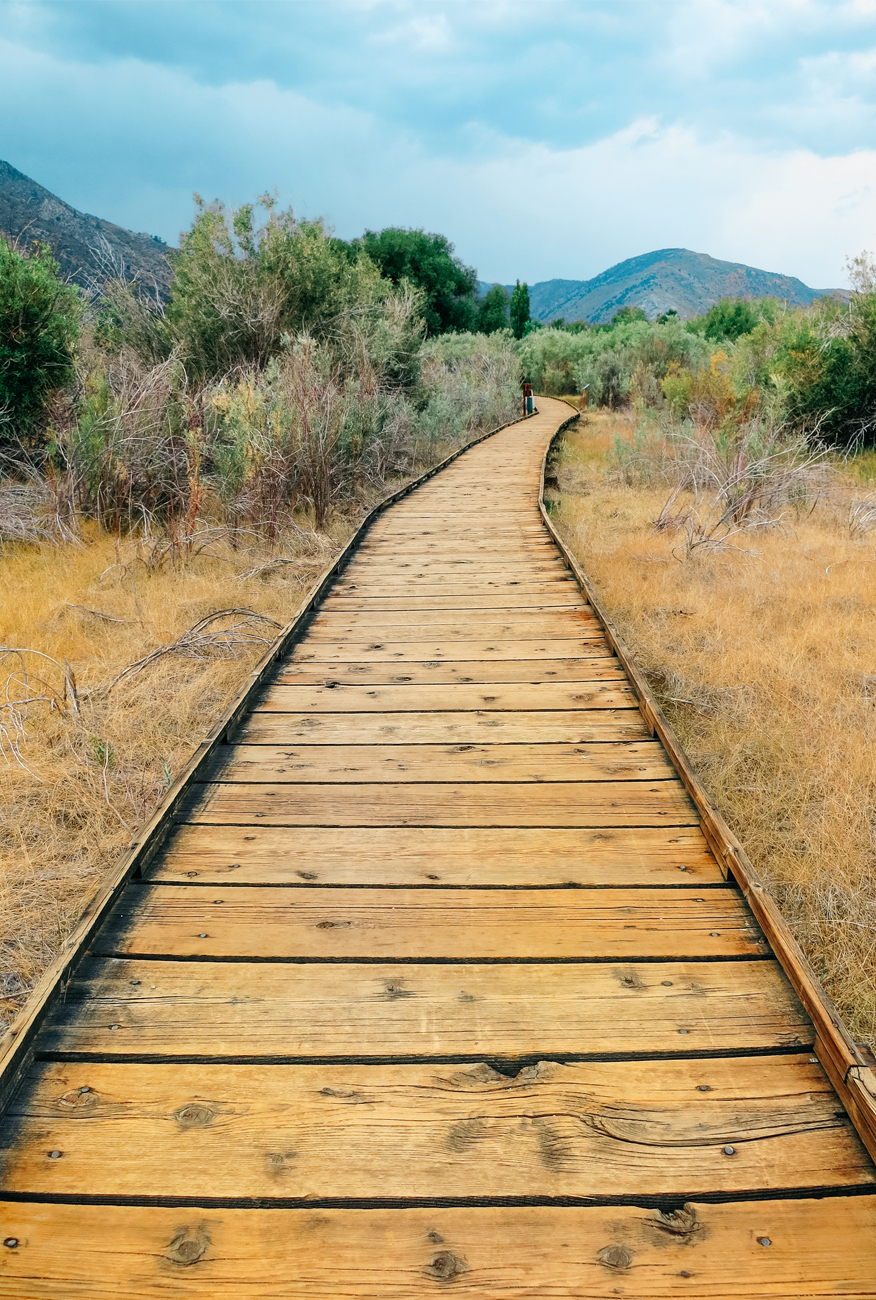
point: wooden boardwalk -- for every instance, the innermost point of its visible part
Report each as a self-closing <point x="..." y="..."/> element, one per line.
<point x="437" y="986"/>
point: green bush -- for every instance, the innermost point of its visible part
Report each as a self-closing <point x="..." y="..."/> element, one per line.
<point x="427" y="262"/>
<point x="39" y="326"/>
<point x="493" y="311"/>
<point x="238" y="288"/>
<point x="606" y="360"/>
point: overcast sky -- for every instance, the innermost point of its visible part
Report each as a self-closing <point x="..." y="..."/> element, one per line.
<point x="545" y="138"/>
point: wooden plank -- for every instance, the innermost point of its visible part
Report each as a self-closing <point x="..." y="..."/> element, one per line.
<point x="416" y="587"/>
<point x="346" y="764"/>
<point x="453" y="697"/>
<point x="451" y="625"/>
<point x="358" y="924"/>
<point x="310" y="1131"/>
<point x="425" y="855"/>
<point x="816" y="1248"/>
<point x="575" y="728"/>
<point x="191" y="1009"/>
<point x="385" y="534"/>
<point x="584" y="669"/>
<point x="412" y="603"/>
<point x="562" y="803"/>
<point x="473" y="649"/>
<point x="453" y="566"/>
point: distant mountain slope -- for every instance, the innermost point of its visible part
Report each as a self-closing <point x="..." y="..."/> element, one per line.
<point x="668" y="278"/>
<point x="86" y="247"/>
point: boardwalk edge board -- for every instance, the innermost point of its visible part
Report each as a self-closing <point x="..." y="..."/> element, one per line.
<point x="845" y="1064"/>
<point x="16" y="1045"/>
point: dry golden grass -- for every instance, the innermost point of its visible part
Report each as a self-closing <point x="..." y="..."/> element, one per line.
<point x="766" y="666"/>
<point x="87" y="783"/>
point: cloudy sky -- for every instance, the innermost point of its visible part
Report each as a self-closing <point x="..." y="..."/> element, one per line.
<point x="544" y="137"/>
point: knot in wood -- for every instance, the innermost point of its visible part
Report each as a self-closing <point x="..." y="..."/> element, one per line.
<point x="194" y="1115"/>
<point x="78" y="1099"/>
<point x="188" y="1246"/>
<point x="615" y="1256"/>
<point x="678" y="1223"/>
<point x="445" y="1266"/>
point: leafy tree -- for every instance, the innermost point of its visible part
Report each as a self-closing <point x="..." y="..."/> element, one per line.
<point x="729" y="319"/>
<point x="428" y="263"/>
<point x="39" y="326"/>
<point x="520" y="309"/>
<point x="672" y="314"/>
<point x="238" y="288"/>
<point x="627" y="314"/>
<point x="493" y="311"/>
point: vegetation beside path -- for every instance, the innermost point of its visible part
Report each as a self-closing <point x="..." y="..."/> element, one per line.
<point x="760" y="644"/>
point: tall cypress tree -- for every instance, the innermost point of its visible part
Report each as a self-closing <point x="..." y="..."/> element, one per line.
<point x="519" y="309"/>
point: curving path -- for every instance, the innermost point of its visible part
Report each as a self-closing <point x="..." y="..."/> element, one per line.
<point x="436" y="989"/>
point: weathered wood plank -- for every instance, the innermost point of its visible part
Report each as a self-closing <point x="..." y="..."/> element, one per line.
<point x="346" y="764"/>
<point x="424" y="855"/>
<point x="562" y="803"/>
<point x="407" y="625"/>
<point x="189" y="1009"/>
<point x="306" y="1131"/>
<point x="473" y="649"/>
<point x="367" y="588"/>
<point x="352" y="924"/>
<point x="587" y="668"/>
<point x="412" y="603"/>
<point x="454" y="568"/>
<point x="575" y="728"/>
<point x="454" y="697"/>
<point x="815" y="1248"/>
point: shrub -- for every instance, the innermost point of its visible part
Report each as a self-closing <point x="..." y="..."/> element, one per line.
<point x="39" y="325"/>
<point x="238" y="288"/>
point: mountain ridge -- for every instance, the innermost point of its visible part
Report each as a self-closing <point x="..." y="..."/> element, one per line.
<point x="88" y="249"/>
<point x="666" y="279"/>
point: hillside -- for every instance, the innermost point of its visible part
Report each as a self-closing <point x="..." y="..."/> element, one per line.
<point x="87" y="248"/>
<point x="668" y="278"/>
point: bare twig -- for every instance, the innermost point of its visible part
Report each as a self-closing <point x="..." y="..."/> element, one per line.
<point x="199" y="643"/>
<point x="96" y="613"/>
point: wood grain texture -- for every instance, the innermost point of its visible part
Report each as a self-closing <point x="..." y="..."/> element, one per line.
<point x="346" y="764"/>
<point x="390" y="649"/>
<point x="190" y="1009"/>
<point x="454" y="625"/>
<point x="455" y="697"/>
<point x="413" y="602"/>
<point x="584" y="668"/>
<point x="427" y="855"/>
<point x="581" y="1129"/>
<point x="353" y="924"/>
<point x="562" y="803"/>
<point x="373" y="592"/>
<point x="69" y="1252"/>
<point x="575" y="727"/>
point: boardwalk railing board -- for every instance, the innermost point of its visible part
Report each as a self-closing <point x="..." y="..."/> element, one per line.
<point x="845" y="1064"/>
<point x="16" y="1043"/>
